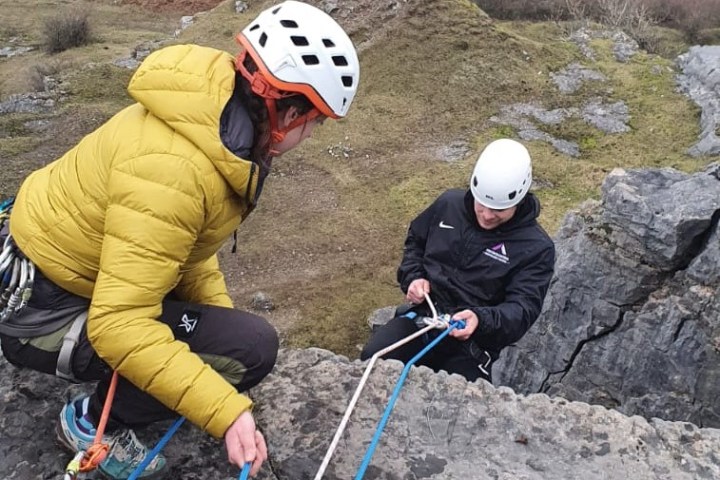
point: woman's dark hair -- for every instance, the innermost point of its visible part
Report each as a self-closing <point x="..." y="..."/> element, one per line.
<point x="257" y="110"/>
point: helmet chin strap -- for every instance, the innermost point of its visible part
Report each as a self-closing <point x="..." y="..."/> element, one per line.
<point x="261" y="87"/>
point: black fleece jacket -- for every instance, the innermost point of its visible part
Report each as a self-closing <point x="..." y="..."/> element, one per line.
<point x="502" y="274"/>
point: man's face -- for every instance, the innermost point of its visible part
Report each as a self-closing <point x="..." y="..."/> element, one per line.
<point x="489" y="218"/>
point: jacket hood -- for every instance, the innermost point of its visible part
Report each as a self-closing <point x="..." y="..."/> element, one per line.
<point x="187" y="87"/>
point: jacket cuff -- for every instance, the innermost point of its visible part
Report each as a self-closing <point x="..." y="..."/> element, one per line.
<point x="231" y="411"/>
<point x="482" y="327"/>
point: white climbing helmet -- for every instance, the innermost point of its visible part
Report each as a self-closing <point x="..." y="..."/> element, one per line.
<point x="299" y="48"/>
<point x="502" y="175"/>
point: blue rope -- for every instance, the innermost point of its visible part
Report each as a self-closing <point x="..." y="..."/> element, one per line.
<point x="245" y="471"/>
<point x="376" y="438"/>
<point x="153" y="453"/>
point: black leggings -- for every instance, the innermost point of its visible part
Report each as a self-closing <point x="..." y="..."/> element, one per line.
<point x="450" y="354"/>
<point x="234" y="341"/>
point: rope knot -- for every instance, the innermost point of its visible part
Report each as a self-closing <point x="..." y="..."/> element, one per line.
<point x="94" y="457"/>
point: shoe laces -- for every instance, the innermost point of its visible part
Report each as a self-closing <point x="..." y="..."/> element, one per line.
<point x="126" y="448"/>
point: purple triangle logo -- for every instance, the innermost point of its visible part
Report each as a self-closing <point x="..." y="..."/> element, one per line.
<point x="500" y="247"/>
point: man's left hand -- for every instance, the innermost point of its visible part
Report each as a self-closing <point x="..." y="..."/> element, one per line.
<point x="471" y="323"/>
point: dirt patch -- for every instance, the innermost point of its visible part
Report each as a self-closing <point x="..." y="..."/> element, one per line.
<point x="183" y="7"/>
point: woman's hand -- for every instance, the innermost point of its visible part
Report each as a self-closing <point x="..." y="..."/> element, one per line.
<point x="417" y="290"/>
<point x="244" y="443"/>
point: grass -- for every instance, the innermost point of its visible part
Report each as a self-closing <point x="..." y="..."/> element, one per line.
<point x="328" y="234"/>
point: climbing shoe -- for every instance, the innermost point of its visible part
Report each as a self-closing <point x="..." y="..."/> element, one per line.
<point x="76" y="432"/>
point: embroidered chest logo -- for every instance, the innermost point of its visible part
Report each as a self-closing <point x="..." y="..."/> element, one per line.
<point x="498" y="253"/>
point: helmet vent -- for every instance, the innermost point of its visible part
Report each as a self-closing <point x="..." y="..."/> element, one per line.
<point x="254" y="27"/>
<point x="511" y="195"/>
<point x="300" y="41"/>
<point x="276" y="10"/>
<point x="340" y="61"/>
<point x="263" y="39"/>
<point x="328" y="43"/>
<point x="288" y="23"/>
<point x="311" y="60"/>
<point x="475" y="182"/>
<point x="347" y="80"/>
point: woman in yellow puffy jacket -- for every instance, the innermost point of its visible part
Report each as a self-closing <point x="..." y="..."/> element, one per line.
<point x="117" y="239"/>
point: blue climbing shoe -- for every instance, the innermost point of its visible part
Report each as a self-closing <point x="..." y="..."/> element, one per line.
<point x="76" y="432"/>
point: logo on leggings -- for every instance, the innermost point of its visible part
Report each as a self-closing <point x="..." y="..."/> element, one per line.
<point x="188" y="324"/>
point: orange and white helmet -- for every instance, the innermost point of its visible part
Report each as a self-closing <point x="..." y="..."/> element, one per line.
<point x="298" y="48"/>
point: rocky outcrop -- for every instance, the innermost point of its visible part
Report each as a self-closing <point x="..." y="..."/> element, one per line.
<point x="630" y="321"/>
<point x="700" y="80"/>
<point x="442" y="427"/>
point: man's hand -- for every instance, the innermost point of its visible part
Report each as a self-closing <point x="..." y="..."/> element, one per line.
<point x="471" y="323"/>
<point x="245" y="443"/>
<point x="417" y="290"/>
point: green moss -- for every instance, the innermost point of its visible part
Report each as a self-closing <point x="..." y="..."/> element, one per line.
<point x="587" y="143"/>
<point x="503" y="131"/>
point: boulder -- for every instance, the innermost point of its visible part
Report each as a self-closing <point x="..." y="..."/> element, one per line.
<point x="630" y="321"/>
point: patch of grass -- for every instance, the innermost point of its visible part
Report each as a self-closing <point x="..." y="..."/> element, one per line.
<point x="503" y="131"/>
<point x="100" y="84"/>
<point x="709" y="36"/>
<point x="576" y="130"/>
<point x="335" y="313"/>
<point x="13" y="125"/>
<point x="11" y="147"/>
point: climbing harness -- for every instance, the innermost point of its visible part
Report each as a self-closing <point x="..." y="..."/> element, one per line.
<point x="17" y="272"/>
<point x="427" y="324"/>
<point x="63" y="368"/>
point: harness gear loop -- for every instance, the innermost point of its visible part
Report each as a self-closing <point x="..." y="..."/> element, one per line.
<point x="63" y="368"/>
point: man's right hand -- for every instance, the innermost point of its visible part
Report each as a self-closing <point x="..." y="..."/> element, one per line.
<point x="245" y="443"/>
<point x="417" y="290"/>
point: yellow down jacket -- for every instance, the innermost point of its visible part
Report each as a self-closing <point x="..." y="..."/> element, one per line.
<point x="138" y="208"/>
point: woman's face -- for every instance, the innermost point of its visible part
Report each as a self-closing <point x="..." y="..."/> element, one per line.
<point x="294" y="137"/>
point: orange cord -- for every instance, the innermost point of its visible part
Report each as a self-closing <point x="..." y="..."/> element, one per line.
<point x="98" y="450"/>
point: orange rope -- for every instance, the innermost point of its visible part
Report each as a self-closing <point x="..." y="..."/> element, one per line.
<point x="98" y="450"/>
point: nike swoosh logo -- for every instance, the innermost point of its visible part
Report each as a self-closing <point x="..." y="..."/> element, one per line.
<point x="445" y="225"/>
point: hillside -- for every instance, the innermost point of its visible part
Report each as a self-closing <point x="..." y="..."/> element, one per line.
<point x="325" y="241"/>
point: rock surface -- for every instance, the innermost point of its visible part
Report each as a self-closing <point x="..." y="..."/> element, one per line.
<point x="630" y="321"/>
<point x="700" y="80"/>
<point x="442" y="427"/>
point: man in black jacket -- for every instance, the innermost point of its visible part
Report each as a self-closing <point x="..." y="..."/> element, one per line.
<point x="482" y="257"/>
